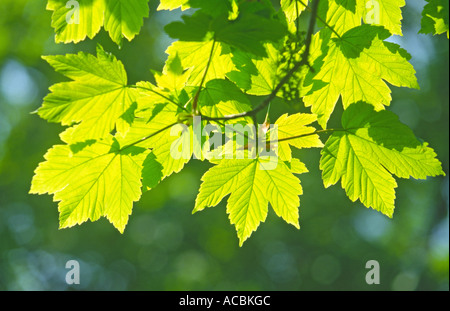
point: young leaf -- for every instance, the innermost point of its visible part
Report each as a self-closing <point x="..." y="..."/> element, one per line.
<point x="253" y="183"/>
<point x="228" y="46"/>
<point x="372" y="147"/>
<point x="356" y="67"/>
<point x="249" y="31"/>
<point x="299" y="135"/>
<point x="212" y="7"/>
<point x="75" y="20"/>
<point x="292" y="9"/>
<point x="98" y="97"/>
<point x="172" y="80"/>
<point x="157" y="127"/>
<point x="196" y="55"/>
<point x="173" y="4"/>
<point x="100" y="180"/>
<point x="435" y="17"/>
<point x="387" y="13"/>
<point x="244" y="69"/>
<point x="343" y="15"/>
<point x="193" y="28"/>
<point x="124" y="18"/>
<point x="266" y="78"/>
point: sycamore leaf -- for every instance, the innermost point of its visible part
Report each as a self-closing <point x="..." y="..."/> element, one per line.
<point x="386" y="13"/>
<point x="356" y="66"/>
<point x="85" y="19"/>
<point x="171" y="81"/>
<point x="372" y="147"/>
<point x="75" y="20"/>
<point x="221" y="98"/>
<point x="252" y="183"/>
<point x="435" y="17"/>
<point x="157" y="126"/>
<point x="175" y="144"/>
<point x="292" y="9"/>
<point x="193" y="28"/>
<point x="98" y="97"/>
<point x="343" y="15"/>
<point x="257" y="76"/>
<point x="100" y="180"/>
<point x="249" y="31"/>
<point x="124" y="18"/>
<point x="290" y="127"/>
<point x="225" y="47"/>
<point x="297" y="167"/>
<point x="195" y="56"/>
<point x="267" y="75"/>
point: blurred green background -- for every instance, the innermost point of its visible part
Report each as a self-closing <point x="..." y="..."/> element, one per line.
<point x="165" y="247"/>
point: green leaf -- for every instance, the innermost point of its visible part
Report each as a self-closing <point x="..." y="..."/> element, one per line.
<point x="212" y="7"/>
<point x="292" y="9"/>
<point x="293" y="131"/>
<point x="268" y="73"/>
<point x="372" y="147"/>
<point x="355" y="67"/>
<point x="244" y="69"/>
<point x="257" y="76"/>
<point x="173" y="4"/>
<point x="386" y="13"/>
<point x="101" y="180"/>
<point x="152" y="129"/>
<point x="124" y="18"/>
<point x="435" y="17"/>
<point x="121" y="18"/>
<point x="343" y="15"/>
<point x="98" y="97"/>
<point x="196" y="55"/>
<point x="252" y="183"/>
<point x="90" y="19"/>
<point x="173" y="78"/>
<point x="249" y="32"/>
<point x="230" y="49"/>
<point x="193" y="28"/>
<point x="220" y="98"/>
